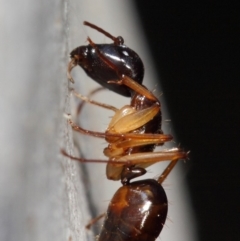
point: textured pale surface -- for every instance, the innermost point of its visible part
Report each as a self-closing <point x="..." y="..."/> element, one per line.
<point x="42" y="195"/>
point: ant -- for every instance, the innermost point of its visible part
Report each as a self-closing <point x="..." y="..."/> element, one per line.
<point x="135" y="129"/>
<point x="138" y="210"/>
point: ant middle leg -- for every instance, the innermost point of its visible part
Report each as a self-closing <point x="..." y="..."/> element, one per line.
<point x="144" y="160"/>
<point x="149" y="138"/>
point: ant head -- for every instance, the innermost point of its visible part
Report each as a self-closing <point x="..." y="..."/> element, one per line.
<point x="107" y="62"/>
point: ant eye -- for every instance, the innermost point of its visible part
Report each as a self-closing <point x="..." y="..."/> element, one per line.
<point x="120" y="40"/>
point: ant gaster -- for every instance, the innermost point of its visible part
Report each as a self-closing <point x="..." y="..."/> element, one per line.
<point x="138" y="210"/>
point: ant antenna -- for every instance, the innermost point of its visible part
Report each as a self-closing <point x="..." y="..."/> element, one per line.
<point x="117" y="40"/>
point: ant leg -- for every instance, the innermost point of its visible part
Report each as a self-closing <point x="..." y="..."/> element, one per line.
<point x="71" y="65"/>
<point x="154" y="137"/>
<point x="86" y="132"/>
<point x="83" y="160"/>
<point x="145" y="160"/>
<point x="140" y="89"/>
<point x="81" y="104"/>
<point x="116" y="40"/>
<point x="167" y="170"/>
<point x="148" y="158"/>
<point x="115" y="167"/>
<point x="94" y="220"/>
<point x="87" y="100"/>
<point x="120" y="147"/>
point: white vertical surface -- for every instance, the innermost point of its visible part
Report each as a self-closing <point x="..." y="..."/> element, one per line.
<point x="42" y="194"/>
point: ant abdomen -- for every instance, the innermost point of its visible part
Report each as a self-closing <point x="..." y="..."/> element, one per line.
<point x="137" y="211"/>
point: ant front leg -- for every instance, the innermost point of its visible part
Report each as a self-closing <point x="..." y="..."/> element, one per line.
<point x="136" y="87"/>
<point x="82" y="103"/>
<point x="86" y="99"/>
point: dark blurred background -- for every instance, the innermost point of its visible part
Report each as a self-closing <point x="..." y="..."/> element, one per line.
<point x="195" y="48"/>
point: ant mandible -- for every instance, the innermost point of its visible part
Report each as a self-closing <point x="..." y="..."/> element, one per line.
<point x="135" y="129"/>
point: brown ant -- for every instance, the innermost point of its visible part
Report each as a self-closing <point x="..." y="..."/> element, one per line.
<point x="135" y="129"/>
<point x="138" y="209"/>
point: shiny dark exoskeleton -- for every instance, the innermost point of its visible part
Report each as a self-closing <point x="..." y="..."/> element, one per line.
<point x="122" y="61"/>
<point x="137" y="212"/>
<point x="127" y="61"/>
